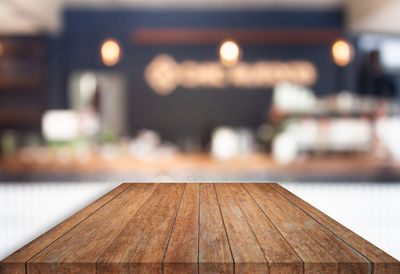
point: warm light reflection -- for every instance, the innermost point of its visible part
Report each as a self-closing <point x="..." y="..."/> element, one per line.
<point x="1" y="49"/>
<point x="160" y="74"/>
<point x="342" y="52"/>
<point x="110" y="52"/>
<point x="229" y="53"/>
<point x="164" y="74"/>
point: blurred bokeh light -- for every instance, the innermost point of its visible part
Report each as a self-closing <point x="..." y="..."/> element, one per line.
<point x="110" y="52"/>
<point x="342" y="52"/>
<point x="229" y="53"/>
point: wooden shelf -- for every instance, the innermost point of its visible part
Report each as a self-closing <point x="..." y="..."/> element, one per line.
<point x="22" y="81"/>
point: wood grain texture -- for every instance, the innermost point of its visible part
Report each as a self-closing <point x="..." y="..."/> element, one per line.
<point x="320" y="250"/>
<point x="214" y="251"/>
<point x="382" y="262"/>
<point x="182" y="253"/>
<point x="280" y="255"/>
<point x="72" y="254"/>
<point x="199" y="228"/>
<point x="247" y="253"/>
<point x="15" y="263"/>
<point x="140" y="247"/>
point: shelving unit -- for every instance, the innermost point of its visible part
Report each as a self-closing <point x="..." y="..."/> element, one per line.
<point x="22" y="82"/>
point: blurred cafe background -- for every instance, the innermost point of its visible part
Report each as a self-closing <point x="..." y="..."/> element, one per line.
<point x="303" y="92"/>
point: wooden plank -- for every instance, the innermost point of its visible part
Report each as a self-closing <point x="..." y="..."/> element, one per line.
<point x="15" y="263"/>
<point x="280" y="255"/>
<point x="182" y="251"/>
<point x="319" y="249"/>
<point x="77" y="250"/>
<point x="141" y="245"/>
<point x="247" y="253"/>
<point x="214" y="251"/>
<point x="383" y="262"/>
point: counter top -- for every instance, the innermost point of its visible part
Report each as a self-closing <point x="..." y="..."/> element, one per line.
<point x="202" y="167"/>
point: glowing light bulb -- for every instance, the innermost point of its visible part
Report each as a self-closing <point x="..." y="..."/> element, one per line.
<point x="229" y="53"/>
<point x="342" y="53"/>
<point x="110" y="52"/>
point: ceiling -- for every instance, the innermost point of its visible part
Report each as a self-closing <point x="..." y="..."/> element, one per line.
<point x="32" y="16"/>
<point x="35" y="16"/>
<point x="374" y="16"/>
<point x="29" y="17"/>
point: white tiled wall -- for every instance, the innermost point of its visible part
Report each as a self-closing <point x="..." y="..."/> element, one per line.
<point x="28" y="210"/>
<point x="370" y="210"/>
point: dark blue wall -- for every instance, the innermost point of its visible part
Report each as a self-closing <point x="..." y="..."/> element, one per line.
<point x="187" y="113"/>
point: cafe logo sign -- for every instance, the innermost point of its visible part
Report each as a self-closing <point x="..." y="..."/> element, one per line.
<point x="164" y="74"/>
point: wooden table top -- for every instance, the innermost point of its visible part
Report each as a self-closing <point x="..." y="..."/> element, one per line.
<point x="207" y="228"/>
